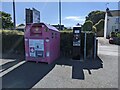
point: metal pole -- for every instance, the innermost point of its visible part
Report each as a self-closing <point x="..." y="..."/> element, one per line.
<point x="95" y="46"/>
<point x="59" y="14"/>
<point x="14" y="15"/>
<point x="85" y="46"/>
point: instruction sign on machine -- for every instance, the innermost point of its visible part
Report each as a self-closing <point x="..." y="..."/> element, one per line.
<point x="76" y="38"/>
<point x="36" y="48"/>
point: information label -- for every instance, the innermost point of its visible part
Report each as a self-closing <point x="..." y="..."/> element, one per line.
<point x="36" y="48"/>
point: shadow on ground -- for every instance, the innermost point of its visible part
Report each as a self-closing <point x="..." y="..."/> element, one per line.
<point x="10" y="60"/>
<point x="30" y="73"/>
<point x="78" y="66"/>
<point x="26" y="75"/>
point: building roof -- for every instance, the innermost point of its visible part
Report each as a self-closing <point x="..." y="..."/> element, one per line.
<point x="51" y="27"/>
<point x="47" y="25"/>
<point x="113" y="13"/>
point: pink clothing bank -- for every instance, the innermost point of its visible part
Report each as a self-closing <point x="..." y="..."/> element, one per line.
<point x="42" y="42"/>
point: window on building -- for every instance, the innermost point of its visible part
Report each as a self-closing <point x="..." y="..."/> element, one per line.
<point x="113" y="28"/>
<point x="116" y="30"/>
<point x="117" y="20"/>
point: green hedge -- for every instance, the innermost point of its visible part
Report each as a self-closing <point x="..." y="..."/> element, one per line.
<point x="15" y="43"/>
<point x="115" y="34"/>
<point x="118" y="35"/>
<point x="12" y="41"/>
<point x="11" y="32"/>
<point x="66" y="43"/>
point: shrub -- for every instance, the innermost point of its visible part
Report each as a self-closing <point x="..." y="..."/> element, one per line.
<point x="118" y="35"/>
<point x="11" y="32"/>
<point x="112" y="34"/>
<point x="100" y="25"/>
<point x="100" y="28"/>
<point x="94" y="29"/>
<point x="15" y="42"/>
<point x="88" y="25"/>
<point x="67" y="40"/>
<point x="66" y="43"/>
<point x="12" y="40"/>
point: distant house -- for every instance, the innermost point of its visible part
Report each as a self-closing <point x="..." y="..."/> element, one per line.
<point x="112" y="22"/>
<point x="57" y="26"/>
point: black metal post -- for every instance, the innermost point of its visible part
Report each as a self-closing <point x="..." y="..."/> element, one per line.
<point x="59" y="14"/>
<point x="14" y="20"/>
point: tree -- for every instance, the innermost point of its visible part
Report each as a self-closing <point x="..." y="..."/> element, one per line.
<point x="94" y="29"/>
<point x="100" y="28"/>
<point x="87" y="26"/>
<point x="6" y="20"/>
<point x="100" y="25"/>
<point x="95" y="16"/>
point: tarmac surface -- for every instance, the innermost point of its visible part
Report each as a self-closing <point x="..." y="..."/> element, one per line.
<point x="64" y="72"/>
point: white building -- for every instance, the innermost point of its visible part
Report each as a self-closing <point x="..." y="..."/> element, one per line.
<point x="112" y="22"/>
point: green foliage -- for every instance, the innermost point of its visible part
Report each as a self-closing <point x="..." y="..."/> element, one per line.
<point x="87" y="26"/>
<point x="67" y="30"/>
<point x="94" y="29"/>
<point x="95" y="16"/>
<point x="66" y="43"/>
<point x="118" y="35"/>
<point x="11" y="32"/>
<point x="100" y="25"/>
<point x="67" y="40"/>
<point x="6" y="21"/>
<point x="12" y="39"/>
<point x="13" y="43"/>
<point x="113" y="34"/>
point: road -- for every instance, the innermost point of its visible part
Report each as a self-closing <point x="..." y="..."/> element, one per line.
<point x="67" y="73"/>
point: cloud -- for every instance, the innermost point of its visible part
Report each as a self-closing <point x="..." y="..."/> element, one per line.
<point x="75" y="18"/>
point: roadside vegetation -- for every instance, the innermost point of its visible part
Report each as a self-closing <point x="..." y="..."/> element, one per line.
<point x="114" y="38"/>
<point x="11" y="32"/>
<point x="67" y="31"/>
<point x="13" y="40"/>
<point x="6" y="21"/>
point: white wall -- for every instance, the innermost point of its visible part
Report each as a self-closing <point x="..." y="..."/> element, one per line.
<point x="111" y="22"/>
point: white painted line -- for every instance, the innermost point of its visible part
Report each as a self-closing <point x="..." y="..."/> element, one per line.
<point x="4" y="61"/>
<point x="12" y="68"/>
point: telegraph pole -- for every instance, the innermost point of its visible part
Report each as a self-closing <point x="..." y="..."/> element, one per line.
<point x="59" y="14"/>
<point x="14" y="20"/>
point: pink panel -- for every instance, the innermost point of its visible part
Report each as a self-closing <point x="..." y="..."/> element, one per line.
<point x="39" y="32"/>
